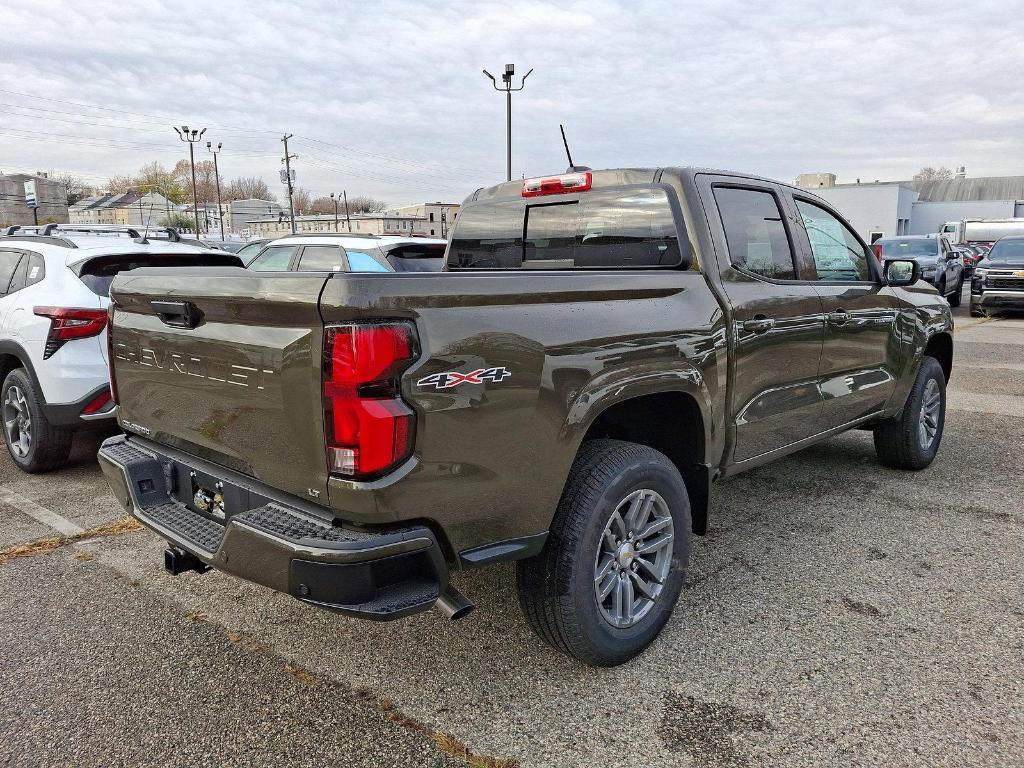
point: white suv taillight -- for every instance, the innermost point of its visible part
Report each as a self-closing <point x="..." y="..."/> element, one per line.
<point x="368" y="428"/>
<point x="67" y="323"/>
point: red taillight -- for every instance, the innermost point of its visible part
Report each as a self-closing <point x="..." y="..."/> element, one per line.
<point x="556" y="185"/>
<point x="110" y="352"/>
<point x="70" y="323"/>
<point x="368" y="428"/>
<point x="97" y="404"/>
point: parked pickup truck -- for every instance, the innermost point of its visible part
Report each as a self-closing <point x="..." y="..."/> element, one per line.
<point x="600" y="347"/>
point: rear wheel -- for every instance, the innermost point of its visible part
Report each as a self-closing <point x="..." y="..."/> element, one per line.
<point x="34" y="443"/>
<point x="912" y="440"/>
<point x="615" y="559"/>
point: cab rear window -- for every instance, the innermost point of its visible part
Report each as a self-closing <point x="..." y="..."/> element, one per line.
<point x="611" y="229"/>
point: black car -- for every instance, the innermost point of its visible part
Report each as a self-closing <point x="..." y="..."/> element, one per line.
<point x="998" y="280"/>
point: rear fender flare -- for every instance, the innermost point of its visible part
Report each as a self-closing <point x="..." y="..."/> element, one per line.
<point x="619" y="385"/>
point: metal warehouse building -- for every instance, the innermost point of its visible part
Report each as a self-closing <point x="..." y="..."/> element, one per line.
<point x="884" y="209"/>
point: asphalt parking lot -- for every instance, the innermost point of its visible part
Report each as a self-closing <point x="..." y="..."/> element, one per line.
<point x="839" y="613"/>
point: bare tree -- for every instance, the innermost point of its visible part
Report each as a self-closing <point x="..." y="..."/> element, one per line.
<point x="120" y="184"/>
<point x="75" y="187"/>
<point x="365" y="204"/>
<point x="302" y="200"/>
<point x="206" y="184"/>
<point x="928" y="173"/>
<point x="322" y="205"/>
<point x="249" y="188"/>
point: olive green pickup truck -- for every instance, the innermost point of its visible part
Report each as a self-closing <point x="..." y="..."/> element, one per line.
<point x="600" y="348"/>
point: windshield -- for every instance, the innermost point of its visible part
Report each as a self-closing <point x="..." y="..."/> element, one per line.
<point x="1007" y="250"/>
<point x="898" y="248"/>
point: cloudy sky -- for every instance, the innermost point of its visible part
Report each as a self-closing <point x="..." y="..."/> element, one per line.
<point x="387" y="98"/>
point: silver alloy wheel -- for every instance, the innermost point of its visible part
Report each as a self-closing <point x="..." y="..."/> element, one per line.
<point x="634" y="558"/>
<point x="928" y="423"/>
<point x="17" y="421"/>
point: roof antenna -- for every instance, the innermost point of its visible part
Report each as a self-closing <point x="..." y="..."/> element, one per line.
<point x="572" y="168"/>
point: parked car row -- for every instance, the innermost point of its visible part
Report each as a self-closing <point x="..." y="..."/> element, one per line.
<point x="941" y="264"/>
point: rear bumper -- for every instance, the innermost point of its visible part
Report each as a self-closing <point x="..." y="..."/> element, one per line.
<point x="70" y="414"/>
<point x="381" y="574"/>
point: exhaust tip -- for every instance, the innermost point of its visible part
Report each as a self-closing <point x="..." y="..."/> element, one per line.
<point x="454" y="604"/>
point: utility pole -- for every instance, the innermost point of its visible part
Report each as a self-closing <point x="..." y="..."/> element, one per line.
<point x="288" y="178"/>
<point x="347" y="219"/>
<point x="191" y="137"/>
<point x="334" y="199"/>
<point x="216" y="177"/>
<point x="506" y="79"/>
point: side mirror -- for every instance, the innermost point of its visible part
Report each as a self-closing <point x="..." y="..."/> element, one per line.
<point x="902" y="272"/>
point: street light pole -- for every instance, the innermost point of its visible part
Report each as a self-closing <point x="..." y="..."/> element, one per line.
<point x="216" y="177"/>
<point x="348" y="219"/>
<point x="191" y="137"/>
<point x="506" y="79"/>
<point x="334" y="199"/>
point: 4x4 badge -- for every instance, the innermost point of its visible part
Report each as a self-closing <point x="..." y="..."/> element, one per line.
<point x="454" y="378"/>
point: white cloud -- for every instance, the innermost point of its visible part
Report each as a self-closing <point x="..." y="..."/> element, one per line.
<point x="393" y="95"/>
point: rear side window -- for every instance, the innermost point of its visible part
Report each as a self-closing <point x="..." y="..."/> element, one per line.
<point x="359" y="261"/>
<point x="8" y="264"/>
<point x="610" y="229"/>
<point x="30" y="270"/>
<point x="320" y="258"/>
<point x="276" y="258"/>
<point x="754" y="232"/>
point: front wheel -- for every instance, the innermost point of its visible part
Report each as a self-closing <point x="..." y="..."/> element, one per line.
<point x="912" y="440"/>
<point x="615" y="559"/>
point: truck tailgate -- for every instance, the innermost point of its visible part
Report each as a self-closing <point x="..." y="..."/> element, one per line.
<point x="225" y="364"/>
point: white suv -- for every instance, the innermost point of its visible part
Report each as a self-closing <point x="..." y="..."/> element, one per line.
<point x="345" y="252"/>
<point x="54" y="284"/>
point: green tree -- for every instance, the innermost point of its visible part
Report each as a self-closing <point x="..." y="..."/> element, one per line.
<point x="178" y="221"/>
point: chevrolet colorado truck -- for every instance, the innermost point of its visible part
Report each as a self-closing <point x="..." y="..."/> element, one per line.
<point x="600" y="348"/>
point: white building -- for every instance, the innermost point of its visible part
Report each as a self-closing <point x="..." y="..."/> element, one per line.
<point x="362" y="223"/>
<point x="887" y="209"/>
<point x="126" y="209"/>
<point x="437" y="217"/>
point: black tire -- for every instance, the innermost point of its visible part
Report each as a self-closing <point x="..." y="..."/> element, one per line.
<point x="557" y="587"/>
<point x="957" y="295"/>
<point x="898" y="442"/>
<point x="47" y="446"/>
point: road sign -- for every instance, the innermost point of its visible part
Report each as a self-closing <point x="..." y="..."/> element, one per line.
<point x="30" y="195"/>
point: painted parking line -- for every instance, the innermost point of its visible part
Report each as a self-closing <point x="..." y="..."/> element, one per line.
<point x="39" y="513"/>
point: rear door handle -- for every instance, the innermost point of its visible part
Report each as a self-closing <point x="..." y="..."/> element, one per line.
<point x="758" y="324"/>
<point x="839" y="317"/>
<point x="180" y="314"/>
